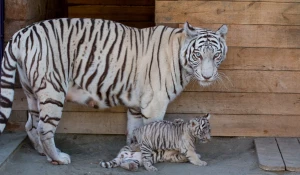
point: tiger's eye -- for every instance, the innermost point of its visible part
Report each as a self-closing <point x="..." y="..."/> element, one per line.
<point x="198" y="54"/>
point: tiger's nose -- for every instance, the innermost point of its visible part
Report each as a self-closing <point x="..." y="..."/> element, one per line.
<point x="206" y="77"/>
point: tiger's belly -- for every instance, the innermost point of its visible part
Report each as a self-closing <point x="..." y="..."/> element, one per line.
<point x="99" y="100"/>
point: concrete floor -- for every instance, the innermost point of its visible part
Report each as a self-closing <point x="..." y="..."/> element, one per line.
<point x="225" y="156"/>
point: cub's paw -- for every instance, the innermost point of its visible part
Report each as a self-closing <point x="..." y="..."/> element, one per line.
<point x="64" y="159"/>
<point x="151" y="168"/>
<point x="201" y="163"/>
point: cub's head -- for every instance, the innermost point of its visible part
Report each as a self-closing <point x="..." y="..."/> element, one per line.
<point x="204" y="50"/>
<point x="200" y="128"/>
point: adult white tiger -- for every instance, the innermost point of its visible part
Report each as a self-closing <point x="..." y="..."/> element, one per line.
<point x="102" y="63"/>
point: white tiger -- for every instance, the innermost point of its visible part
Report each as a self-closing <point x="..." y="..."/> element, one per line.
<point x="165" y="135"/>
<point x="102" y="63"/>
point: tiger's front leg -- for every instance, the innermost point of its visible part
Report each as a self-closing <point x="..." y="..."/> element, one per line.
<point x="193" y="157"/>
<point x="51" y="105"/>
<point x="134" y="121"/>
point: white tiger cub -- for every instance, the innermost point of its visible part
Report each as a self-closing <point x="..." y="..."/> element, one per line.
<point x="102" y="63"/>
<point x="130" y="157"/>
<point x="165" y="135"/>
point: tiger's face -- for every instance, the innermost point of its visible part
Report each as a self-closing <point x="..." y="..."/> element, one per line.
<point x="204" y="51"/>
<point x="200" y="128"/>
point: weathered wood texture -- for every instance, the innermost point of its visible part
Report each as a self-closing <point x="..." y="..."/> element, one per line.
<point x="269" y="156"/>
<point x="136" y="13"/>
<point x="234" y="114"/>
<point x="260" y="80"/>
<point x="290" y="151"/>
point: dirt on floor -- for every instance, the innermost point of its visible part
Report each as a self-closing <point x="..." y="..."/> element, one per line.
<point x="225" y="156"/>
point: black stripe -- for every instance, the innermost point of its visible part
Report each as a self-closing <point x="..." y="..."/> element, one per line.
<point x="80" y="42"/>
<point x="90" y="79"/>
<point x="5" y="102"/>
<point x="124" y="64"/>
<point x="68" y="48"/>
<point x="92" y="28"/>
<point x="157" y="57"/>
<point x="61" y="24"/>
<point x="52" y="101"/>
<point x="3" y="118"/>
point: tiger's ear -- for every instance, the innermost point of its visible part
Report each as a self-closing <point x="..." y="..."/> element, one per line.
<point x="223" y="31"/>
<point x="207" y="116"/>
<point x="189" y="30"/>
<point x="193" y="123"/>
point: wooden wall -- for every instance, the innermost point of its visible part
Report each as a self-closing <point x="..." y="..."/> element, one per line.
<point x="260" y="94"/>
<point x="135" y="13"/>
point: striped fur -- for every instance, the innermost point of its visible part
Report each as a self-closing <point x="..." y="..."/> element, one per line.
<point x="102" y="64"/>
<point x="165" y="135"/>
<point x="130" y="157"/>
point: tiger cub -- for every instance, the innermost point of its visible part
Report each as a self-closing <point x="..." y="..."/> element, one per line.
<point x="165" y="135"/>
<point x="130" y="157"/>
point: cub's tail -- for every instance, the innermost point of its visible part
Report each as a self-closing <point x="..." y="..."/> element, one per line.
<point x="7" y="79"/>
<point x="111" y="164"/>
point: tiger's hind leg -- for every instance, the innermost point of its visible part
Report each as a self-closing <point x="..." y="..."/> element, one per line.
<point x="51" y="104"/>
<point x="32" y="124"/>
<point x="147" y="158"/>
<point x="175" y="156"/>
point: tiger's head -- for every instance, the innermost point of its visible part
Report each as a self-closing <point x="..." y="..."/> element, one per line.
<point x="200" y="128"/>
<point x="204" y="50"/>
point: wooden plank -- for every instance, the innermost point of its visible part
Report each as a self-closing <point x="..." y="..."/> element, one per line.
<point x="213" y="102"/>
<point x="222" y="125"/>
<point x="290" y="151"/>
<point x="252" y="81"/>
<point x="227" y="12"/>
<point x="269" y="157"/>
<point x="262" y="59"/>
<point x="287" y="1"/>
<point x="112" y="2"/>
<point x="139" y="24"/>
<point x="117" y="13"/>
<point x="9" y="142"/>
<point x="259" y="35"/>
<point x="16" y="121"/>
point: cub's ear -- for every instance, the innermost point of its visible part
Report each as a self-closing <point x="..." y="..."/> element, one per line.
<point x="189" y="30"/>
<point x="207" y="116"/>
<point x="193" y="123"/>
<point x="223" y="31"/>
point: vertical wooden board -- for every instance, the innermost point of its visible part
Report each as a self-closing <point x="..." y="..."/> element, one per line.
<point x="269" y="157"/>
<point x="290" y="151"/>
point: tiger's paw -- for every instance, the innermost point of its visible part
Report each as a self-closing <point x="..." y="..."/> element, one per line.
<point x="64" y="159"/>
<point x="151" y="168"/>
<point x="201" y="163"/>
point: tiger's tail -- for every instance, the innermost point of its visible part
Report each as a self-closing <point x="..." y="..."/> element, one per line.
<point x="7" y="79"/>
<point x="111" y="164"/>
